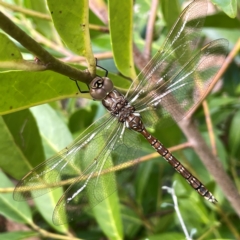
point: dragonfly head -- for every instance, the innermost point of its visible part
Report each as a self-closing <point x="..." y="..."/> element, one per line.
<point x="100" y="87"/>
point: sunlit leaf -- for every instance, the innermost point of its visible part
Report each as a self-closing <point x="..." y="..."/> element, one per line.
<point x="228" y="6"/>
<point x="121" y="36"/>
<point x="16" y="211"/>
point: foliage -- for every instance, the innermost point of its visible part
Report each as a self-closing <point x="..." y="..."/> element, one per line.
<point x="41" y="114"/>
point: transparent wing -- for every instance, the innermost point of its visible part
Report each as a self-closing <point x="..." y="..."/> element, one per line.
<point x="99" y="178"/>
<point x="179" y="95"/>
<point x="84" y="167"/>
<point x="176" y="50"/>
<point x="64" y="165"/>
<point x="178" y="75"/>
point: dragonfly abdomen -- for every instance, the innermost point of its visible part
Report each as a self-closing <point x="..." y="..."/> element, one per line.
<point x="193" y="181"/>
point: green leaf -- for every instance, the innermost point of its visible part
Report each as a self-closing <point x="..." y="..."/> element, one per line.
<point x="131" y="222"/>
<point x="166" y="220"/>
<point x="202" y="218"/>
<point x="21" y="147"/>
<point x="168" y="236"/>
<point x="55" y="136"/>
<point x="70" y="18"/>
<point x="171" y="11"/>
<point x="46" y="205"/>
<point x="54" y="132"/>
<point x="8" y="50"/>
<point x="17" y="235"/>
<point x="120" y="22"/>
<point x="100" y="190"/>
<point x="23" y="128"/>
<point x="147" y="185"/>
<point x="17" y="211"/>
<point x="77" y="123"/>
<point x="107" y="214"/>
<point x="228" y="6"/>
<point x="33" y="88"/>
<point x="41" y="25"/>
<point x="221" y="20"/>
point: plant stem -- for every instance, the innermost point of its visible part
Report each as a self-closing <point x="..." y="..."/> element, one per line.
<point x="47" y="59"/>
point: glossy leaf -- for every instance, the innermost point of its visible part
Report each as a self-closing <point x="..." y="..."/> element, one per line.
<point x="171" y="11"/>
<point x="21" y="147"/>
<point x="121" y="36"/>
<point x="228" y="6"/>
<point x="16" y="211"/>
<point x="222" y="154"/>
<point x="55" y="136"/>
<point x="70" y="19"/>
<point x="18" y="235"/>
<point x="79" y="124"/>
<point x="221" y="21"/>
<point x="107" y="214"/>
<point x="41" y="87"/>
<point x="46" y="205"/>
<point x="41" y="25"/>
<point x="8" y="50"/>
<point x="54" y="132"/>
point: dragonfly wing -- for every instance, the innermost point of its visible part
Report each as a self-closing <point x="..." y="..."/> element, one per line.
<point x="178" y="96"/>
<point x="84" y="167"/>
<point x="176" y="50"/>
<point x="64" y="165"/>
<point x="162" y="74"/>
<point x="98" y="181"/>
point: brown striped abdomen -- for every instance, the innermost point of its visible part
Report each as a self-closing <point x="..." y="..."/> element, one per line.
<point x="193" y="181"/>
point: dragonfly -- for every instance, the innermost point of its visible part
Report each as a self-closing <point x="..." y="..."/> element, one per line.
<point x="169" y="87"/>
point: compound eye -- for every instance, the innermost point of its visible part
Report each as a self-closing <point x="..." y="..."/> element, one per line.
<point x="100" y="87"/>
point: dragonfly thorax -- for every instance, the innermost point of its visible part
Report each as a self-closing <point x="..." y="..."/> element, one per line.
<point x="115" y="102"/>
<point x="119" y="107"/>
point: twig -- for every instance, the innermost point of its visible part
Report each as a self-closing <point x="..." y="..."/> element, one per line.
<point x="42" y="39"/>
<point x="128" y="164"/>
<point x="77" y="59"/>
<point x="210" y="127"/>
<point x="50" y="235"/>
<point x="150" y="29"/>
<point x="100" y="10"/>
<point x="47" y="59"/>
<point x="22" y="65"/>
<point x="44" y="16"/>
<point x="99" y="28"/>
<point x="26" y="11"/>
<point x="222" y="70"/>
